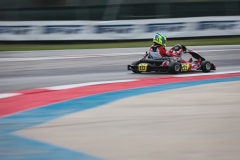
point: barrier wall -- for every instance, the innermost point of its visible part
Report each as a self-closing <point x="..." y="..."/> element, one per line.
<point x="119" y="30"/>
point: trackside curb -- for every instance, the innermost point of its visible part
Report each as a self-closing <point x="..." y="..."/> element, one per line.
<point x="37" y="98"/>
<point x="71" y="86"/>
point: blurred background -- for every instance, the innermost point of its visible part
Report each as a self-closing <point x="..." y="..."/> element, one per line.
<point x="29" y="10"/>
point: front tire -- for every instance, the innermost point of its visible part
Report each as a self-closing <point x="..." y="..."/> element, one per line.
<point x="206" y="66"/>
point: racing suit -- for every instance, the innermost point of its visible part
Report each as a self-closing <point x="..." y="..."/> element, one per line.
<point x="158" y="51"/>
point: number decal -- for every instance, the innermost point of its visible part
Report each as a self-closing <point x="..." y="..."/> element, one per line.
<point x="142" y="67"/>
<point x="185" y="67"/>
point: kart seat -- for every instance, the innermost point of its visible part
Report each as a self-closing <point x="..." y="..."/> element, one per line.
<point x="182" y="61"/>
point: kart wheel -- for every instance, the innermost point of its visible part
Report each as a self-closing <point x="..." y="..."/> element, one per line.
<point x="174" y="67"/>
<point x="206" y="66"/>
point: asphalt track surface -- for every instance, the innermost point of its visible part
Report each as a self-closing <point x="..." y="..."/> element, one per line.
<point x="194" y="120"/>
<point x="40" y="69"/>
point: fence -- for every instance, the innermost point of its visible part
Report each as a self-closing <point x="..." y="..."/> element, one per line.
<point x="33" y="10"/>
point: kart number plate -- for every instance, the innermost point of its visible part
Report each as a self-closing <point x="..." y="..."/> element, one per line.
<point x="142" y="67"/>
<point x="185" y="67"/>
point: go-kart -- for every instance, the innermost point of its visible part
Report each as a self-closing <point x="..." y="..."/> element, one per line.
<point x="172" y="65"/>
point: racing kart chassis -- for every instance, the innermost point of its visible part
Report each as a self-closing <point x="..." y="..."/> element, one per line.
<point x="172" y="67"/>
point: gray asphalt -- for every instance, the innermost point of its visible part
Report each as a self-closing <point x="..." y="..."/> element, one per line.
<point x="19" y="73"/>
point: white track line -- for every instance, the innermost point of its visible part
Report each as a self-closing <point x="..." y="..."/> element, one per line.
<point x="218" y="50"/>
<point x="86" y="84"/>
<point x="62" y="87"/>
<point x="68" y="57"/>
<point x="207" y="74"/>
<point x="89" y="56"/>
<point x="7" y="95"/>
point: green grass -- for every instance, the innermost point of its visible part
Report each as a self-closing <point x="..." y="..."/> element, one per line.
<point x="147" y="43"/>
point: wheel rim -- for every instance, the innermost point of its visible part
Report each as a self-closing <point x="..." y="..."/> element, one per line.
<point x="208" y="66"/>
<point x="177" y="68"/>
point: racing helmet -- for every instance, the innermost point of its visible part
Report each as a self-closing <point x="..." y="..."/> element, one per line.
<point x="160" y="39"/>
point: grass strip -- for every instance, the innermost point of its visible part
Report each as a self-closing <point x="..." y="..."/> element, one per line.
<point x="134" y="44"/>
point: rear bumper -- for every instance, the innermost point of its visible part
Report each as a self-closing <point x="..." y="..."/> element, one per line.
<point x="213" y="67"/>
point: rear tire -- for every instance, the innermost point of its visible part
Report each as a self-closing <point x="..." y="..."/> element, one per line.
<point x="206" y="66"/>
<point x="174" y="68"/>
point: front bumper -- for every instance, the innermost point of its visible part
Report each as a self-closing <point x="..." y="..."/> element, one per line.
<point x="150" y="68"/>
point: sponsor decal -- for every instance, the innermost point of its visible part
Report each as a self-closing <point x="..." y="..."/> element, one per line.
<point x="165" y="27"/>
<point x="15" y="30"/>
<point x="142" y="67"/>
<point x="185" y="67"/>
<point x="120" y="29"/>
<point x="216" y="25"/>
<point x="62" y="29"/>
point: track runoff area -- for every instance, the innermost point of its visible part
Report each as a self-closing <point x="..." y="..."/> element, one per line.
<point x="28" y="109"/>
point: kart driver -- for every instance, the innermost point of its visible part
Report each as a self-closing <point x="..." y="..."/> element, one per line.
<point x="157" y="50"/>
